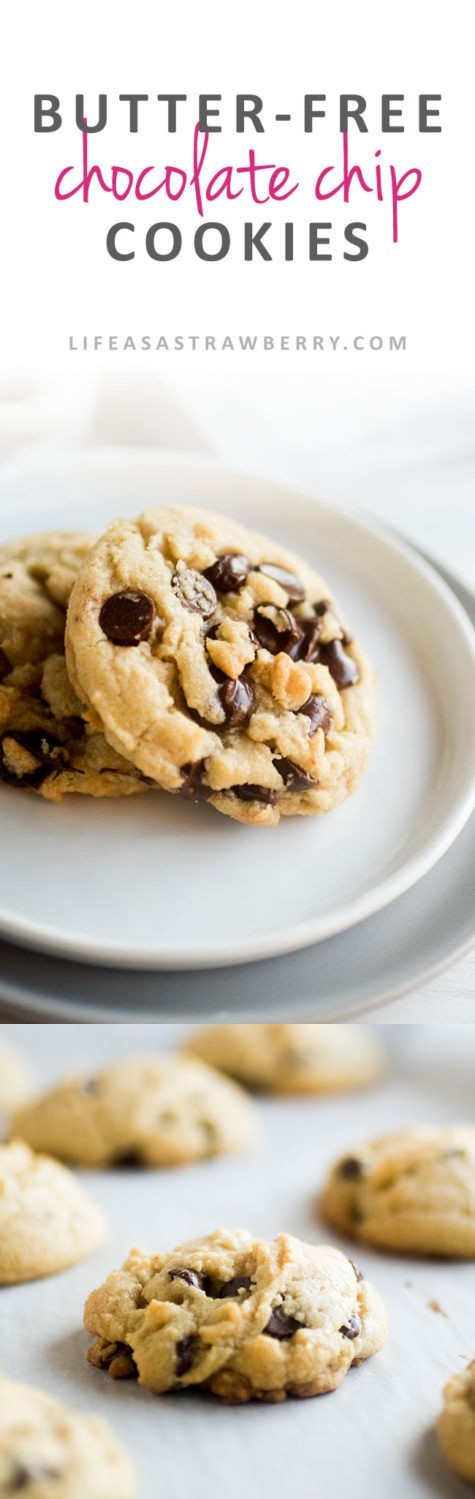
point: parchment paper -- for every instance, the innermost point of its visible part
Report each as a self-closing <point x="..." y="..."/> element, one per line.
<point x="373" y="1436"/>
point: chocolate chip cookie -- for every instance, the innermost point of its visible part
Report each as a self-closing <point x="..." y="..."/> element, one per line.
<point x="413" y="1192"/>
<point x="217" y="663"/>
<point x="245" y="1319"/>
<point x="156" y="1110"/>
<point x="292" y="1058"/>
<point x="46" y="744"/>
<point x="456" y="1424"/>
<point x="48" y="1451"/>
<point x="47" y="1221"/>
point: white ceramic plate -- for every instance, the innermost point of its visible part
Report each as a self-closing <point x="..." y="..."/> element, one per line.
<point x="155" y="882"/>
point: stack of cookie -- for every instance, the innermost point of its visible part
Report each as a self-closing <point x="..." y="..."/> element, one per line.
<point x="196" y="657"/>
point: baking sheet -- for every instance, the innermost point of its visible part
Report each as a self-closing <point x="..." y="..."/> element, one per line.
<point x="374" y="1434"/>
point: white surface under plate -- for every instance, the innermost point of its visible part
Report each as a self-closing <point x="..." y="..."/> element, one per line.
<point x="375" y="1435"/>
<point x="157" y="882"/>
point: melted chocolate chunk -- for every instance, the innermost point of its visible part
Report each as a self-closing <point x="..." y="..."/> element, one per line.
<point x="307" y="648"/>
<point x="5" y="665"/>
<point x="351" y="1168"/>
<point x="318" y="710"/>
<point x="237" y="698"/>
<point x="288" y="581"/>
<point x="49" y="754"/>
<point x="344" y="670"/>
<point x="190" y="1277"/>
<point x="351" y="1328"/>
<point x="322" y="607"/>
<point x="276" y="630"/>
<point x="255" y="794"/>
<point x="193" y="787"/>
<point x="184" y="1355"/>
<point x="293" y="777"/>
<point x="127" y="617"/>
<point x="280" y="1325"/>
<point x="229" y="572"/>
<point x="237" y="1284"/>
<point x="194" y="592"/>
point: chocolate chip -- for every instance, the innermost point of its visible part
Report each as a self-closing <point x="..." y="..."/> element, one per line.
<point x="356" y="1268"/>
<point x="89" y="1085"/>
<point x="288" y="581"/>
<point x="237" y="698"/>
<point x="351" y="1328"/>
<point x="191" y="1277"/>
<point x="255" y="794"/>
<point x="23" y="1476"/>
<point x="194" y="592"/>
<point x="276" y="629"/>
<point x="128" y="1158"/>
<point x="48" y="753"/>
<point x="307" y="648"/>
<point x="318" y="710"/>
<point x="184" y="1355"/>
<point x="280" y="1325"/>
<point x="229" y="572"/>
<point x="351" y="1168"/>
<point x="293" y="777"/>
<point x="344" y="670"/>
<point x="5" y="665"/>
<point x="193" y="787"/>
<point x="322" y="607"/>
<point x="127" y="617"/>
<point x="237" y="1284"/>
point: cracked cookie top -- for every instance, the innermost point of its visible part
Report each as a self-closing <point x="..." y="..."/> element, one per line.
<point x="243" y="1318"/>
<point x="217" y="662"/>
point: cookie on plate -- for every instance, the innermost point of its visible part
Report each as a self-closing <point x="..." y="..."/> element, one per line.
<point x="16" y="1078"/>
<point x="216" y="662"/>
<point x="245" y="1319"/>
<point x="157" y="1110"/>
<point x="292" y="1058"/>
<point x="47" y="1221"/>
<point x="48" y="1451"/>
<point x="413" y="1192"/>
<point x="46" y="745"/>
<point x="456" y="1424"/>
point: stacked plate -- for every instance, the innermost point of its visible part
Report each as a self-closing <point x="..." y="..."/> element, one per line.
<point x="157" y="908"/>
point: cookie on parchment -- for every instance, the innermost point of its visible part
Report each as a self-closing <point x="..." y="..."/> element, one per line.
<point x="243" y="1318"/>
<point x="456" y="1424"/>
<point x="47" y="1220"/>
<point x="46" y="745"/>
<point x="48" y="1451"/>
<point x="413" y="1192"/>
<point x="292" y="1058"/>
<point x="217" y="664"/>
<point x="158" y="1110"/>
